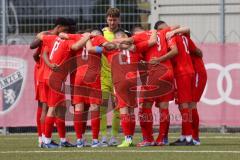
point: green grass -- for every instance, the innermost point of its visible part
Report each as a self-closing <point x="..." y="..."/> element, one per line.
<point x="214" y="147"/>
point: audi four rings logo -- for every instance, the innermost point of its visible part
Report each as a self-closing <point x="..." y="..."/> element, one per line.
<point x="224" y="72"/>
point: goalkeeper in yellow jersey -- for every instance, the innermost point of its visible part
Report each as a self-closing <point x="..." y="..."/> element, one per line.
<point x="113" y="20"/>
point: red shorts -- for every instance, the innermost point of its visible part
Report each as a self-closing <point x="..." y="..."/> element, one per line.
<point x="86" y="91"/>
<point x="121" y="103"/>
<point x="42" y="92"/>
<point x="55" y="95"/>
<point x="165" y="83"/>
<point x="184" y="88"/>
<point x="200" y="80"/>
<point x="125" y="93"/>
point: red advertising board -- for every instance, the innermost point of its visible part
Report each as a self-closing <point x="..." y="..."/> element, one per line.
<point x="220" y="103"/>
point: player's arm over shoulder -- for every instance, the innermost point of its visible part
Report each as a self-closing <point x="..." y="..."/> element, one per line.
<point x="81" y="42"/>
<point x="193" y="48"/>
<point x="38" y="40"/>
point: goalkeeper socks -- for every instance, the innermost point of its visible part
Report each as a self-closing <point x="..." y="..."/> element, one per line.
<point x="61" y="127"/>
<point x="95" y="124"/>
<point x="103" y="120"/>
<point x="78" y="124"/>
<point x="49" y="124"/>
<point x="164" y="121"/>
<point x="195" y="123"/>
<point x="115" y="123"/>
<point x="39" y="128"/>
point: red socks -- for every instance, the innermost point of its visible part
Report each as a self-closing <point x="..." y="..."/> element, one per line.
<point x="186" y="122"/>
<point x="132" y="124"/>
<point x="61" y="127"/>
<point x="49" y="124"/>
<point x="39" y="128"/>
<point x="43" y="127"/>
<point x="78" y="124"/>
<point x="126" y="124"/>
<point x="146" y="122"/>
<point x="85" y="117"/>
<point x="142" y="122"/>
<point x="195" y="123"/>
<point x="95" y="123"/>
<point x="164" y="124"/>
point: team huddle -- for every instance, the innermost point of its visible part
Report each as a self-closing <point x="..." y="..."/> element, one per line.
<point x="144" y="68"/>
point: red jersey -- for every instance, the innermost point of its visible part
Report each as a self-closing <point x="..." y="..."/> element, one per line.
<point x="47" y="41"/>
<point x="91" y="60"/>
<point x="98" y="40"/>
<point x="59" y="51"/>
<point x="94" y="59"/>
<point x="182" y="63"/>
<point x="85" y="60"/>
<point x="41" y="65"/>
<point x="159" y="49"/>
<point x="124" y="61"/>
<point x="126" y="56"/>
<point x="197" y="61"/>
<point x="143" y="36"/>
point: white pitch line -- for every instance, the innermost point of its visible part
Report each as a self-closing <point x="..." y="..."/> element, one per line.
<point x="172" y="137"/>
<point x="214" y="137"/>
<point x="118" y="151"/>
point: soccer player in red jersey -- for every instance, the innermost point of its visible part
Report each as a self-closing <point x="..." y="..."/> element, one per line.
<point x="184" y="77"/>
<point x="60" y="26"/>
<point x="184" y="80"/>
<point x="80" y="127"/>
<point x="87" y="88"/>
<point x="156" y="78"/>
<point x="159" y="53"/>
<point x="124" y="65"/>
<point x="56" y="53"/>
<point x="200" y="80"/>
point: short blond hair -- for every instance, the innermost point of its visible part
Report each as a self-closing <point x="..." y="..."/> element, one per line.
<point x="113" y="12"/>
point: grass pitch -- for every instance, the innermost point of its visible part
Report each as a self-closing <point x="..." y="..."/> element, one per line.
<point x="213" y="147"/>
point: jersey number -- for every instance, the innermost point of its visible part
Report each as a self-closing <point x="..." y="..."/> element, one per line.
<point x="125" y="53"/>
<point x="185" y="43"/>
<point x="159" y="43"/>
<point x="55" y="47"/>
<point x="84" y="54"/>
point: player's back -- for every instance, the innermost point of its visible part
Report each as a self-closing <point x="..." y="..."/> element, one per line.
<point x="197" y="61"/>
<point x="161" y="48"/>
<point x="182" y="62"/>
